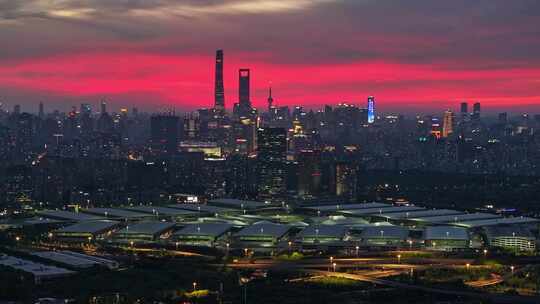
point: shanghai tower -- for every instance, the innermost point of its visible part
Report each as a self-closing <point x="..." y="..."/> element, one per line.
<point x="219" y="101"/>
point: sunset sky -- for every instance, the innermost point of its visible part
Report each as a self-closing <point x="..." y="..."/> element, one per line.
<point x="413" y="55"/>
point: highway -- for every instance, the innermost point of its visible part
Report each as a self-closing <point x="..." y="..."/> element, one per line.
<point x="321" y="267"/>
<point x="495" y="298"/>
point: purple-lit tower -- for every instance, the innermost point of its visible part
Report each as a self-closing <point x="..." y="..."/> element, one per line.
<point x="371" y="109"/>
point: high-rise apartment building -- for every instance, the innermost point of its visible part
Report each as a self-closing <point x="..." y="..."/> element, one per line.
<point x="448" y="123"/>
<point x="271" y="158"/>
<point x="164" y="133"/>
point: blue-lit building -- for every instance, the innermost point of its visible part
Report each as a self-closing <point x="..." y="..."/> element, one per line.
<point x="371" y="109"/>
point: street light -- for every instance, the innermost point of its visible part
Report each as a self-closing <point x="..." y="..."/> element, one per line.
<point x="468" y="266"/>
<point x="290" y="244"/>
<point x="485" y="252"/>
<point x="131" y="243"/>
<point x="194" y="286"/>
<point x="512" y="269"/>
<point x="246" y="252"/>
<point x="399" y="258"/>
<point x="334" y="266"/>
<point x="410" y="244"/>
<point x="176" y="244"/>
<point x="357" y="248"/>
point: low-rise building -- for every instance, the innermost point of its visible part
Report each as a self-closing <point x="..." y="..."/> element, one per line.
<point x="118" y="214"/>
<point x="75" y="259"/>
<point x="505" y="221"/>
<point x="515" y="238"/>
<point x="40" y="271"/>
<point x="238" y="204"/>
<point x="446" y="238"/>
<point x="384" y="236"/>
<point x="414" y="217"/>
<point x="332" y="209"/>
<point x="86" y="231"/>
<point x="166" y="213"/>
<point x="325" y="235"/>
<point x="261" y="235"/>
<point x="68" y="215"/>
<point x="205" y="210"/>
<point x="377" y="212"/>
<point x="143" y="232"/>
<point x="71" y="261"/>
<point x="201" y="234"/>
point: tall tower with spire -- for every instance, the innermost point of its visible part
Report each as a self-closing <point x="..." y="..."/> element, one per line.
<point x="219" y="91"/>
<point x="270" y="100"/>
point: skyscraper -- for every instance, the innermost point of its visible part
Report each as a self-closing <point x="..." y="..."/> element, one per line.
<point x="103" y="107"/>
<point x="85" y="109"/>
<point x="309" y="172"/>
<point x="271" y="157"/>
<point x="371" y="109"/>
<point x="41" y="112"/>
<point x="244" y="102"/>
<point x="476" y="111"/>
<point x="219" y="91"/>
<point x="346" y="178"/>
<point x="464" y="109"/>
<point x="503" y="118"/>
<point x="164" y="133"/>
<point x="448" y="123"/>
<point x="464" y="112"/>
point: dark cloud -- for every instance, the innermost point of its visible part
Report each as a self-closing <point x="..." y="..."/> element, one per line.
<point x="456" y="35"/>
<point x="420" y="31"/>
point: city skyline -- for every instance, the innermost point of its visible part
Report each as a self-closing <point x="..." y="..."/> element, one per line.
<point x="143" y="55"/>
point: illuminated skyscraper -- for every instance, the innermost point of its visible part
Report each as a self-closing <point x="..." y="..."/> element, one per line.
<point x="219" y="101"/>
<point x="346" y="177"/>
<point x="371" y="109"/>
<point x="271" y="157"/>
<point x="191" y="126"/>
<point x="244" y="103"/>
<point x="448" y="123"/>
<point x="85" y="109"/>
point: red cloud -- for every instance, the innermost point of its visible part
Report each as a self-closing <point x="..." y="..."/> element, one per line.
<point x="187" y="81"/>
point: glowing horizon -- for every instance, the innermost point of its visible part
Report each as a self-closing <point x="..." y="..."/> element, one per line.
<point x="422" y="56"/>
